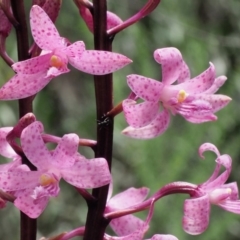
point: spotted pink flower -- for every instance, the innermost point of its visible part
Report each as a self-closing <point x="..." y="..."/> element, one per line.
<point x="213" y="191"/>
<point x="35" y="73"/>
<point x="194" y="99"/>
<point x="34" y="188"/>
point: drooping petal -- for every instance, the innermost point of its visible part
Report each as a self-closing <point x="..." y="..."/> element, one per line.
<point x="99" y="62"/>
<point x="88" y="173"/>
<point x="22" y="86"/>
<point x="217" y="101"/>
<point x="172" y="64"/>
<point x="200" y="83"/>
<point x="5" y="149"/>
<point x="230" y="206"/>
<point x="154" y="129"/>
<point x="17" y="180"/>
<point x="34" y="65"/>
<point x="126" y="225"/>
<point x="44" y="32"/>
<point x="218" y="82"/>
<point x="128" y="198"/>
<point x="31" y="207"/>
<point x="207" y="147"/>
<point x="34" y="147"/>
<point x="146" y="88"/>
<point x="64" y="154"/>
<point x="163" y="237"/>
<point x="196" y="215"/>
<point x="139" y="115"/>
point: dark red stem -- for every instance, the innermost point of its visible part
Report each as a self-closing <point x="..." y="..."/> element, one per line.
<point x="96" y="223"/>
<point x="28" y="225"/>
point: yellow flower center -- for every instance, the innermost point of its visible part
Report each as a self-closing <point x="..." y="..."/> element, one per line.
<point x="55" y="61"/>
<point x="46" y="180"/>
<point x="181" y="96"/>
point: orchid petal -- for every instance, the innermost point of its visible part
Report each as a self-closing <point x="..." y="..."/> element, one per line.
<point x="218" y="82"/>
<point x="208" y="147"/>
<point x="185" y="73"/>
<point x="172" y="64"/>
<point x="230" y="206"/>
<point x="154" y="129"/>
<point x="139" y="115"/>
<point x="34" y="146"/>
<point x="11" y="165"/>
<point x="234" y="190"/>
<point x="22" y="86"/>
<point x="88" y="173"/>
<point x="163" y="237"/>
<point x="128" y="198"/>
<point x="75" y="51"/>
<point x="31" y="207"/>
<point x="52" y="8"/>
<point x="217" y="101"/>
<point x="33" y="65"/>
<point x="146" y="88"/>
<point x="196" y="215"/>
<point x="17" y="180"/>
<point x="126" y="225"/>
<point x="5" y="149"/>
<point x="99" y="62"/>
<point x="64" y="154"/>
<point x="44" y="32"/>
<point x="200" y="83"/>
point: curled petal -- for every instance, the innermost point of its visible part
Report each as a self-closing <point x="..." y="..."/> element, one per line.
<point x="172" y="64"/>
<point x="154" y="129"/>
<point x="31" y="207"/>
<point x="200" y="83"/>
<point x="65" y="153"/>
<point x="196" y="215"/>
<point x="145" y="88"/>
<point x="34" y="146"/>
<point x="139" y="115"/>
<point x="128" y="198"/>
<point x="99" y="62"/>
<point x="44" y="32"/>
<point x="218" y="82"/>
<point x="88" y="173"/>
<point x="207" y="147"/>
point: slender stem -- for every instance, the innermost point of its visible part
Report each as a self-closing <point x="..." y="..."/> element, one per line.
<point x="28" y="225"/>
<point x="96" y="223"/>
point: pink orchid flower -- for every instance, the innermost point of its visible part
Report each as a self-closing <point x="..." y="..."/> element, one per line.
<point x="34" y="74"/>
<point x="214" y="191"/>
<point x="34" y="188"/>
<point x="132" y="229"/>
<point x="194" y="99"/>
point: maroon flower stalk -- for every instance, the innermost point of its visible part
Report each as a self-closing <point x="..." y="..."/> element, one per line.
<point x="28" y="225"/>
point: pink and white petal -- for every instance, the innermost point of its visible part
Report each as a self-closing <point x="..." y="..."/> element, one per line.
<point x="31" y="207"/>
<point x="34" y="147"/>
<point x="172" y="64"/>
<point x="200" y="83"/>
<point x="88" y="173"/>
<point x="163" y="237"/>
<point x="126" y="225"/>
<point x="230" y="206"/>
<point x="139" y="115"/>
<point x="34" y="65"/>
<point x="128" y="198"/>
<point x="146" y="88"/>
<point x="23" y="85"/>
<point x="217" y="101"/>
<point x="207" y="147"/>
<point x="185" y="73"/>
<point x="5" y="149"/>
<point x="11" y="165"/>
<point x="201" y="119"/>
<point x="218" y="82"/>
<point x="65" y="153"/>
<point x="99" y="62"/>
<point x="196" y="215"/>
<point x="154" y="129"/>
<point x="75" y="51"/>
<point x="17" y="180"/>
<point x="234" y="190"/>
<point x="54" y="72"/>
<point x="44" y="32"/>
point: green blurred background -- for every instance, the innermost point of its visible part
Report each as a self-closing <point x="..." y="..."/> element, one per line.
<point x="203" y="31"/>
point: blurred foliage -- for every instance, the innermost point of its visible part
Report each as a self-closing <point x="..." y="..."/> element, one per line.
<point x="203" y="31"/>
